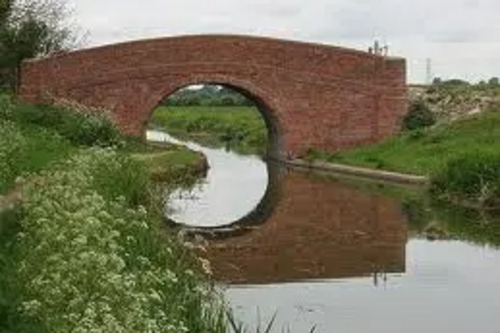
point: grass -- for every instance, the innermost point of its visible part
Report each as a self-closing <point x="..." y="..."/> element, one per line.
<point x="41" y="149"/>
<point x="90" y="257"/>
<point x="34" y="137"/>
<point x="461" y="158"/>
<point x="471" y="179"/>
<point x="240" y="127"/>
<point x="33" y="148"/>
<point x="425" y="152"/>
<point x="436" y="219"/>
<point x="173" y="165"/>
<point x="86" y="249"/>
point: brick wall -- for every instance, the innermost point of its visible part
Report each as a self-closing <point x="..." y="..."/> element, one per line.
<point x="314" y="96"/>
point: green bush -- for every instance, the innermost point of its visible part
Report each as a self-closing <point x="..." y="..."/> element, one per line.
<point x="121" y="177"/>
<point x="12" y="146"/>
<point x="80" y="127"/>
<point x="418" y="116"/>
<point x="6" y="106"/>
<point x="25" y="148"/>
<point x="93" y="130"/>
<point x="472" y="177"/>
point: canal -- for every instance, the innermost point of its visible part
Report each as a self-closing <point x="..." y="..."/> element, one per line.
<point x="338" y="254"/>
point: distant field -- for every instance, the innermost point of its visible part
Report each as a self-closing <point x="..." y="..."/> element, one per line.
<point x="241" y="127"/>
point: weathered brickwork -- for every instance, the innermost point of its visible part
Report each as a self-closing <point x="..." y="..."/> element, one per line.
<point x="311" y="95"/>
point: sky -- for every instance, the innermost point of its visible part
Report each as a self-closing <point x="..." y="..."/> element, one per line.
<point x="460" y="37"/>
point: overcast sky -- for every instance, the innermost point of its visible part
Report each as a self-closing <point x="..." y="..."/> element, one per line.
<point x="461" y="37"/>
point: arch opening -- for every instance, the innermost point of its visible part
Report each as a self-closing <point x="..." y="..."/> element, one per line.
<point x="234" y="129"/>
<point x="249" y="96"/>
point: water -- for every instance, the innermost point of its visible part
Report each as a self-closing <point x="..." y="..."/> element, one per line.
<point x="346" y="256"/>
<point x="447" y="287"/>
<point x="234" y="185"/>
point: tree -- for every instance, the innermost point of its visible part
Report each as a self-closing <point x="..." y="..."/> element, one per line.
<point x="493" y="82"/>
<point x="455" y="83"/>
<point x="5" y="10"/>
<point x="208" y="95"/>
<point x="437" y="81"/>
<point x="29" y="29"/>
<point x="418" y="116"/>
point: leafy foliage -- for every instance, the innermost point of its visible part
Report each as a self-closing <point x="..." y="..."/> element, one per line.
<point x="12" y="147"/>
<point x="31" y="28"/>
<point x="208" y="95"/>
<point x="418" y="116"/>
<point x="24" y="146"/>
<point x="473" y="177"/>
<point x="80" y="127"/>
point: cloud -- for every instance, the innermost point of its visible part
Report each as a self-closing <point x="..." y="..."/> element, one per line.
<point x="458" y="35"/>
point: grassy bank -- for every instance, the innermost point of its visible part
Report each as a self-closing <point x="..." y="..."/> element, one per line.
<point x="85" y="250"/>
<point x="424" y="152"/>
<point x="461" y="158"/>
<point x="176" y="165"/>
<point x="24" y="146"/>
<point x="90" y="257"/>
<point x="440" y="220"/>
<point x="240" y="127"/>
<point x="34" y="137"/>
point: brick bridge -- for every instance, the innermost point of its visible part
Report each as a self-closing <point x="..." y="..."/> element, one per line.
<point x="311" y="95"/>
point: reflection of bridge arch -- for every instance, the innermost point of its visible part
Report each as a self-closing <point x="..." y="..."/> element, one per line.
<point x="323" y="97"/>
<point x="317" y="229"/>
<point x="256" y="217"/>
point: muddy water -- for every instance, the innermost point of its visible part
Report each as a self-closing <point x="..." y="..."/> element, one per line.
<point x="346" y="256"/>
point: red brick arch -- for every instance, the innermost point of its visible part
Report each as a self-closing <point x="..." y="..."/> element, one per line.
<point x="312" y="96"/>
<point x="264" y="101"/>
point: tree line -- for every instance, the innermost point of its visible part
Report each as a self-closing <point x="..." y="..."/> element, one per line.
<point x="207" y="95"/>
<point x="493" y="82"/>
<point x="30" y="29"/>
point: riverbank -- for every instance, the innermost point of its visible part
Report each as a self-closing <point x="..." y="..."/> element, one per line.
<point x="241" y="128"/>
<point x="85" y="248"/>
<point x="460" y="158"/>
<point x="363" y="173"/>
<point x="430" y="153"/>
<point x="425" y="151"/>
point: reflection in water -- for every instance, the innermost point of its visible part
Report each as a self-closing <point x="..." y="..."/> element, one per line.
<point x="235" y="184"/>
<point x="317" y="230"/>
<point x="338" y="258"/>
<point x="319" y="252"/>
<point x="448" y="287"/>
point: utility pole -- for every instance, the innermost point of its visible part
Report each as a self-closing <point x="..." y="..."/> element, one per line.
<point x="378" y="49"/>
